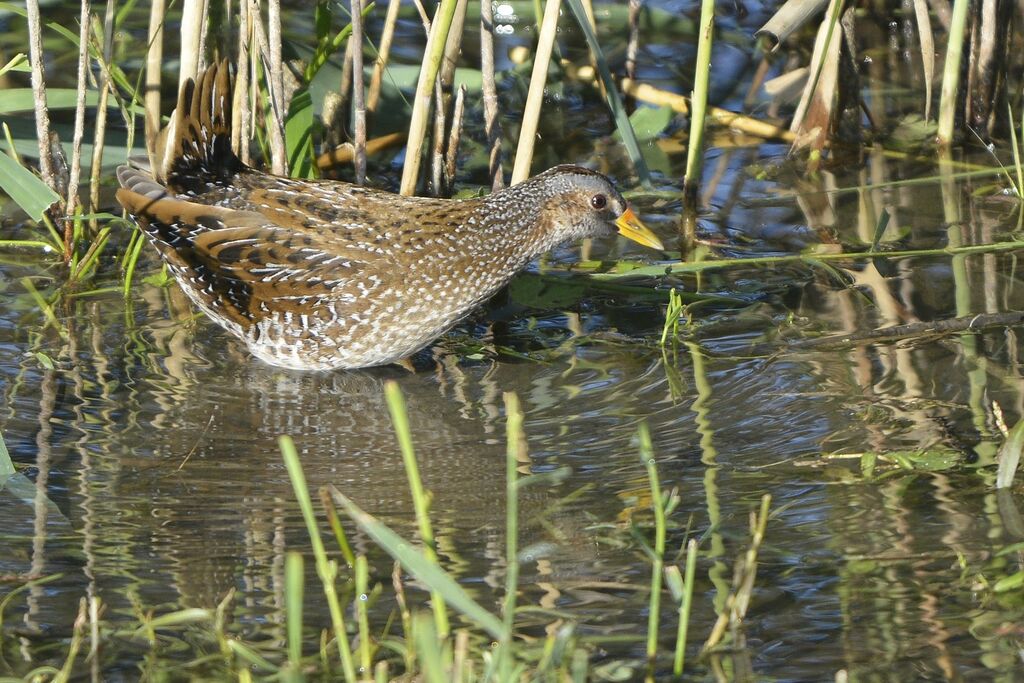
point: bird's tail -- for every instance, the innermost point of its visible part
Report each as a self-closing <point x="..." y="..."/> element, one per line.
<point x="198" y="143"/>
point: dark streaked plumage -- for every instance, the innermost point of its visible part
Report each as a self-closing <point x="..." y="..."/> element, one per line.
<point x="324" y="274"/>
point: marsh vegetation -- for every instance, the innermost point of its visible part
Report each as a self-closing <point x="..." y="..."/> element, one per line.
<point x="785" y="448"/>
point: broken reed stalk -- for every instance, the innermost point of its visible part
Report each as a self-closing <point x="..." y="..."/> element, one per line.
<point x="492" y="125"/>
<point x="535" y="95"/>
<point x="383" y="52"/>
<point x="99" y="136"/>
<point x="699" y="104"/>
<point x="424" y="90"/>
<point x="951" y="72"/>
<point x="813" y="118"/>
<point x="35" y="50"/>
<point x="151" y="90"/>
<point x="75" y="175"/>
<point x="358" y="93"/>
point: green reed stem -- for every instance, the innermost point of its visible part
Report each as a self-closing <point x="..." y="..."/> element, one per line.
<point x="362" y="576"/>
<point x="514" y="450"/>
<point x="326" y="569"/>
<point x="421" y="100"/>
<point x="327" y="48"/>
<point x="420" y="498"/>
<point x="699" y="104"/>
<point x="684" y="607"/>
<point x="134" y="249"/>
<point x="951" y="72"/>
<point x="88" y="261"/>
<point x="658" y="507"/>
<point x="294" y="585"/>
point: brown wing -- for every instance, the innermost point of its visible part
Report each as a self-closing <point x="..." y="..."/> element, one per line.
<point x="239" y="264"/>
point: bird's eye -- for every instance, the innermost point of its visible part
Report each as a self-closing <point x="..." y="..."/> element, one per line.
<point x="599" y="201"/>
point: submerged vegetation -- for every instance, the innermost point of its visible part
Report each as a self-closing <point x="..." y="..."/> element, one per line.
<point x="418" y="99"/>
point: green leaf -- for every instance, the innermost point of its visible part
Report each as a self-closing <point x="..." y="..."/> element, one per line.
<point x="649" y="122"/>
<point x="298" y="135"/>
<point x="18" y="62"/>
<point x="17" y="100"/>
<point x="28" y="191"/>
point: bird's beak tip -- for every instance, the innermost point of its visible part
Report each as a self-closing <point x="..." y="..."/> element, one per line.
<point x="631" y="227"/>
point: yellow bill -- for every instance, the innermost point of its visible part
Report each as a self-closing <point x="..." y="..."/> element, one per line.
<point x="630" y="227"/>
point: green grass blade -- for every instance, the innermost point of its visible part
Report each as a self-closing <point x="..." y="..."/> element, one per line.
<point x="622" y="123"/>
<point x="416" y="563"/>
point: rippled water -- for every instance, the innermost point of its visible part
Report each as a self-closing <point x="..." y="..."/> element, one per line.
<point x="152" y="478"/>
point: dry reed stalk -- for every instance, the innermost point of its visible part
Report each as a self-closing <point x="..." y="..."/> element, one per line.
<point x="633" y="44"/>
<point x="35" y="50"/>
<point x="492" y="125"/>
<point x="275" y="82"/>
<point x="345" y="86"/>
<point x="71" y="203"/>
<point x="358" y="93"/>
<point x="240" y="109"/>
<point x="451" y="155"/>
<point x="724" y="117"/>
<point x="275" y="127"/>
<point x="99" y="137"/>
<point x="154" y="59"/>
<point x="437" y="144"/>
<point x="193" y="24"/>
<point x="535" y="95"/>
<point x="383" y="52"/>
<point x="815" y="113"/>
<point x="442" y="93"/>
